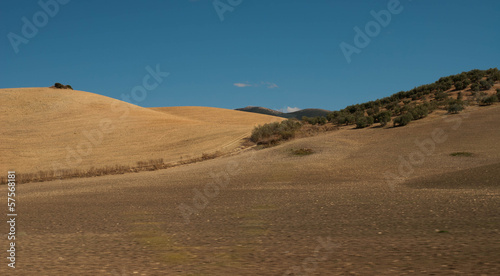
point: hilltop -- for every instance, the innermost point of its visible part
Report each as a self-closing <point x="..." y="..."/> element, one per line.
<point x="48" y="129"/>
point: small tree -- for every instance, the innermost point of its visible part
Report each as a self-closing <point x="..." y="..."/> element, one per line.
<point x="489" y="100"/>
<point x="455" y="108"/>
<point x="475" y="87"/>
<point x="383" y="117"/>
<point x="484" y="85"/>
<point x="403" y="120"/>
<point x="361" y="122"/>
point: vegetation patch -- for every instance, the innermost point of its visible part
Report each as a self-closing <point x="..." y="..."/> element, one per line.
<point x="61" y="86"/>
<point x="302" y="151"/>
<point x="462" y="153"/>
<point x="273" y="133"/>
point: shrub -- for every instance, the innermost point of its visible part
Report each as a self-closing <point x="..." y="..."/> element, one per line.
<point x="455" y="107"/>
<point x="362" y="122"/>
<point x="441" y="96"/>
<point x="383" y="117"/>
<point x="315" y="120"/>
<point x="403" y="120"/>
<point x="484" y="85"/>
<point x="461" y="153"/>
<point x="461" y="85"/>
<point x="302" y="151"/>
<point x="62" y="86"/>
<point x="489" y="100"/>
<point x="274" y="132"/>
<point x="475" y="87"/>
<point x="350" y="119"/>
<point x="419" y="112"/>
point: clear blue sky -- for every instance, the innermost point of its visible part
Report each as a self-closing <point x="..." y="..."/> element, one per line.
<point x="104" y="47"/>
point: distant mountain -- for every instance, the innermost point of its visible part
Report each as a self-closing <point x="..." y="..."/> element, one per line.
<point x="262" y="110"/>
<point x="309" y="112"/>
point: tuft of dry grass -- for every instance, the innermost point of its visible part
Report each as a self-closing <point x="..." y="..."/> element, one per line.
<point x="302" y="151"/>
<point x="462" y="153"/>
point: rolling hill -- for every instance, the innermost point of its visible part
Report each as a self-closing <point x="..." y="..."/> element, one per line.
<point x="46" y="129"/>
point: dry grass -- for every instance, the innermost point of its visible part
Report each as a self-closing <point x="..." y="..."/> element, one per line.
<point x="302" y="151"/>
<point x="43" y="123"/>
<point x="150" y="165"/>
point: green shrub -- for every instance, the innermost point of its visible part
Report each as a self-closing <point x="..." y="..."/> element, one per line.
<point x="461" y="85"/>
<point x="315" y="120"/>
<point x="441" y="96"/>
<point x="275" y="132"/>
<point x="489" y="100"/>
<point x="419" y="112"/>
<point x="475" y="87"/>
<point x="362" y="122"/>
<point x="484" y="85"/>
<point x="302" y="151"/>
<point x="383" y="117"/>
<point x="403" y="120"/>
<point x="455" y="107"/>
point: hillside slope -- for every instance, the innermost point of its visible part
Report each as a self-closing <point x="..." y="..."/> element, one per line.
<point x="45" y="128"/>
<point x="272" y="211"/>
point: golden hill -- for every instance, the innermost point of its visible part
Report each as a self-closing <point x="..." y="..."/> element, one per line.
<point x="46" y="129"/>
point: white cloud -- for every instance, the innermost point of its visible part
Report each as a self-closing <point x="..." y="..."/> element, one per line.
<point x="289" y="109"/>
<point x="269" y="85"/>
<point x="239" y="84"/>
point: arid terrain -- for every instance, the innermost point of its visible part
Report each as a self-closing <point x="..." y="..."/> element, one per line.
<point x="51" y="129"/>
<point x="373" y="201"/>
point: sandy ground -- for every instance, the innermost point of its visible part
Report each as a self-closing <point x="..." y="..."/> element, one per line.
<point x="269" y="212"/>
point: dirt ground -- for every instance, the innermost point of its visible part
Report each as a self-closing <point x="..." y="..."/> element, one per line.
<point x="351" y="207"/>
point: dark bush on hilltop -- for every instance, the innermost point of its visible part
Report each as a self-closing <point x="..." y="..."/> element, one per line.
<point x="61" y="86"/>
<point x="489" y="100"/>
<point x="275" y="132"/>
<point x="403" y="120"/>
<point x="455" y="107"/>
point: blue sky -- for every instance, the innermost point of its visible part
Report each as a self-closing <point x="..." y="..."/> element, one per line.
<point x="276" y="54"/>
